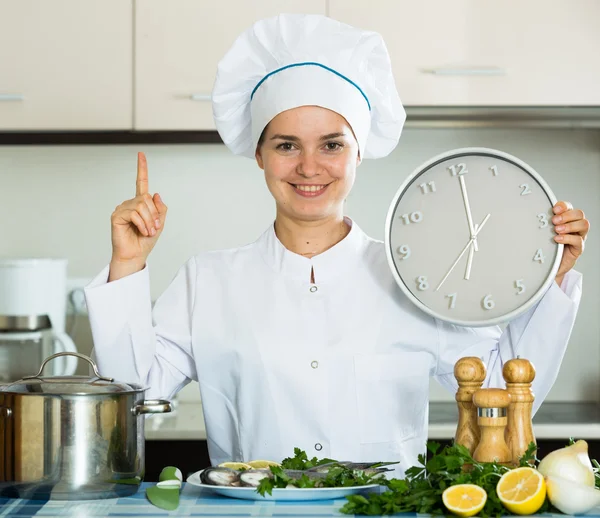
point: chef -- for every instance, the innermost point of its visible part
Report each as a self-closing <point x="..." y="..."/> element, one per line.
<point x="302" y="338"/>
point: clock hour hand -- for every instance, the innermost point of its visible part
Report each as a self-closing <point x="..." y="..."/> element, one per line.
<point x="470" y="243"/>
<point x="470" y="259"/>
<point x="463" y="189"/>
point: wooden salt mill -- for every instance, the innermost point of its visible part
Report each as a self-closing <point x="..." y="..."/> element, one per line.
<point x="470" y="374"/>
<point x="518" y="374"/>
<point x="491" y="406"/>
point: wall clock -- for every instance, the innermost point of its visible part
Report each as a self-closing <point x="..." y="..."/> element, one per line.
<point x="469" y="237"/>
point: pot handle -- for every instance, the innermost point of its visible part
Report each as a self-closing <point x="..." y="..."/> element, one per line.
<point x="152" y="406"/>
<point x="79" y="355"/>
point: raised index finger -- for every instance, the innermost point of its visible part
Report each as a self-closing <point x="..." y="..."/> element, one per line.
<point x="141" y="184"/>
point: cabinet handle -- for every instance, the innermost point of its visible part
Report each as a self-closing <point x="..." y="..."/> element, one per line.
<point x="467" y="71"/>
<point x="200" y="97"/>
<point x="11" y="97"/>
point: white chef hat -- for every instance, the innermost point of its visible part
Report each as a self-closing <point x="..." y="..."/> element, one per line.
<point x="296" y="60"/>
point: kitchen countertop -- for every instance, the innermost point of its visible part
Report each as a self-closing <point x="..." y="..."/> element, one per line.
<point x="194" y="501"/>
<point x="552" y="421"/>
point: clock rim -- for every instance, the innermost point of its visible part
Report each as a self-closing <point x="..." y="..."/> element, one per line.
<point x="425" y="166"/>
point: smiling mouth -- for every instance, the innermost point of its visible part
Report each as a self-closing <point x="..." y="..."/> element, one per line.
<point x="309" y="190"/>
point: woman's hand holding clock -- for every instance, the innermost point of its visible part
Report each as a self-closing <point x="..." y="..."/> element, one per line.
<point x="572" y="229"/>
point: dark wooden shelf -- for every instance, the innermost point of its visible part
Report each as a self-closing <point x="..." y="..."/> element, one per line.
<point x="188" y="456"/>
<point x="72" y="138"/>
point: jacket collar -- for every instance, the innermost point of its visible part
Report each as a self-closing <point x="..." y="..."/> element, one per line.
<point x="327" y="265"/>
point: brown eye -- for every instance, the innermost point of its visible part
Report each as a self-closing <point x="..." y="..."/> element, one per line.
<point x="333" y="146"/>
<point x="285" y="146"/>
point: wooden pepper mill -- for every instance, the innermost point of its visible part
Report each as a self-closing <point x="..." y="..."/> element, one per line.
<point x="492" y="404"/>
<point x="518" y="374"/>
<point x="470" y="374"/>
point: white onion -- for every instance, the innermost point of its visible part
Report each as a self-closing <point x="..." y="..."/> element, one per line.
<point x="570" y="463"/>
<point x="569" y="497"/>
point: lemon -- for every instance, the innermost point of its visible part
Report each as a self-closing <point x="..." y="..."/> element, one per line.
<point x="522" y="490"/>
<point x="235" y="465"/>
<point x="464" y="499"/>
<point x="260" y="464"/>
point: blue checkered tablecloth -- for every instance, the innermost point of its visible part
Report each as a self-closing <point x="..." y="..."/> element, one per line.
<point x="194" y="501"/>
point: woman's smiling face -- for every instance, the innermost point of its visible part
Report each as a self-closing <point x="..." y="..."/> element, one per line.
<point x="309" y="155"/>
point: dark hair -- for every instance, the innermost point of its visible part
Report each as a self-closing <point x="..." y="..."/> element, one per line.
<point x="261" y="139"/>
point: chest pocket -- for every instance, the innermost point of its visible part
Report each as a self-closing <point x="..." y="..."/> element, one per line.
<point x="392" y="393"/>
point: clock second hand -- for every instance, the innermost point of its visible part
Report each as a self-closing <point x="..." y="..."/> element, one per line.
<point x="463" y="251"/>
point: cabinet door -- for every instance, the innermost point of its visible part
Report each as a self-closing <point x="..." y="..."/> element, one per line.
<point x="65" y="65"/>
<point x="493" y="52"/>
<point x="178" y="46"/>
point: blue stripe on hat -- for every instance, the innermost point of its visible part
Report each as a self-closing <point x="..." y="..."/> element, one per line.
<point x="317" y="65"/>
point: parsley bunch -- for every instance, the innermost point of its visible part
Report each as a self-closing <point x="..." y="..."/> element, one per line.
<point x="337" y="476"/>
<point x="280" y="479"/>
<point x="301" y="461"/>
<point x="421" y="490"/>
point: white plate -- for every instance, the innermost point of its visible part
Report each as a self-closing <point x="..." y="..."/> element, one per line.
<point x="282" y="494"/>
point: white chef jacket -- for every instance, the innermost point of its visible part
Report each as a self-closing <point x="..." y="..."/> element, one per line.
<point x="339" y="368"/>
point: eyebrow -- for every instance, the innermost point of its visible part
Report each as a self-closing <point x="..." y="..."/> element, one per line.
<point x="293" y="138"/>
<point x="333" y="135"/>
<point x="284" y="137"/>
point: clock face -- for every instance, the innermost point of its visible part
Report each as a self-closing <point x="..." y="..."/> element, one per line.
<point x="469" y="237"/>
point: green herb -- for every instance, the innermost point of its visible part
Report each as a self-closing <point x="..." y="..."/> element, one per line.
<point x="596" y="472"/>
<point x="421" y="490"/>
<point x="280" y="479"/>
<point x="529" y="458"/>
<point x="337" y="476"/>
<point x="300" y="461"/>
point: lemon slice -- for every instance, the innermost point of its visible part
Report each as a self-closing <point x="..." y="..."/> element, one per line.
<point x="464" y="499"/>
<point x="235" y="465"/>
<point x="261" y="464"/>
<point x="522" y="490"/>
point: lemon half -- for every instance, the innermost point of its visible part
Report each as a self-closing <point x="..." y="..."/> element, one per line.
<point x="261" y="464"/>
<point x="522" y="490"/>
<point x="464" y="499"/>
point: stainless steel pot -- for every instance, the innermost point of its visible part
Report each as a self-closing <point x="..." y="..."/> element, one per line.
<point x="72" y="437"/>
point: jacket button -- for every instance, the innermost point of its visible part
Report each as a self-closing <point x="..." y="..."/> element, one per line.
<point x="313" y="289"/>
<point x="314" y="364"/>
<point x="318" y="446"/>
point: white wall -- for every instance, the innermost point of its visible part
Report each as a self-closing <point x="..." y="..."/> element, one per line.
<point x="57" y="201"/>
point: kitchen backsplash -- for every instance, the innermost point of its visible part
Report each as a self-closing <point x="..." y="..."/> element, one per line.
<point x="57" y="201"/>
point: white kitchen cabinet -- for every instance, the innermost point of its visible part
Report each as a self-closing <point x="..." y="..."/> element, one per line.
<point x="178" y="45"/>
<point x="487" y="53"/>
<point x="65" y="65"/>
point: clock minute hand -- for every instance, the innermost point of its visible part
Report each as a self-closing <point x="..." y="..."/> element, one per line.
<point x="463" y="251"/>
<point x="463" y="189"/>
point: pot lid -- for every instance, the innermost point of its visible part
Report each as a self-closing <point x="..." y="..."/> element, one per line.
<point x="69" y="385"/>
